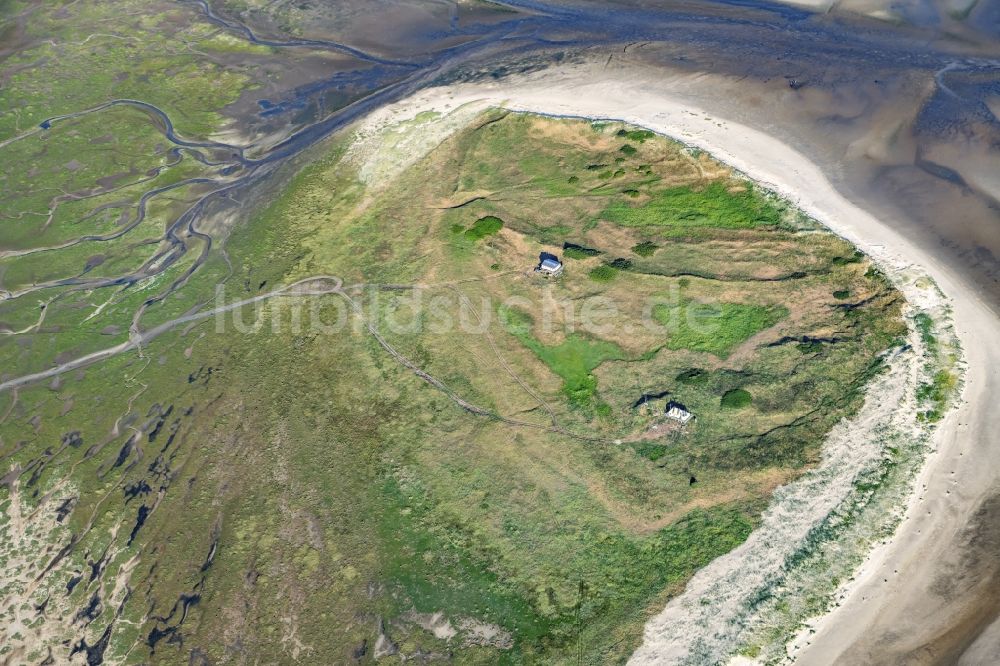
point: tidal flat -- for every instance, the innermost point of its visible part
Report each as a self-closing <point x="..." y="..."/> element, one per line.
<point x="219" y="479"/>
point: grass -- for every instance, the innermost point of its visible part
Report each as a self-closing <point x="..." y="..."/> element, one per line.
<point x="603" y="273"/>
<point x="937" y="393"/>
<point x="433" y="572"/>
<point x="715" y="329"/>
<point x="645" y="248"/>
<point x="574" y="360"/>
<point x="483" y="227"/>
<point x="693" y="376"/>
<point x="925" y="326"/>
<point x="158" y="69"/>
<point x="572" y="251"/>
<point x="854" y="258"/>
<point x="639" y="135"/>
<point x="90" y="171"/>
<point x="620" y="264"/>
<point x="715" y="205"/>
<point x="340" y="485"/>
<point x="736" y="399"/>
<point x="809" y="346"/>
<point x="652" y="451"/>
<point x="116" y="164"/>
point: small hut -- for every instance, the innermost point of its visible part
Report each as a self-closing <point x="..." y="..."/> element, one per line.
<point x="549" y="265"/>
<point x="678" y="412"/>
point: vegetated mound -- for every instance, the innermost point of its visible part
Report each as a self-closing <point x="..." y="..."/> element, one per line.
<point x="523" y="496"/>
<point x="736" y="399"/>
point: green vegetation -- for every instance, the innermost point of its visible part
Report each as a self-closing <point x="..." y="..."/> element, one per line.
<point x="810" y="346"/>
<point x="925" y="326"/>
<point x="714" y="205"/>
<point x="842" y="294"/>
<point x="432" y="572"/>
<point x="579" y="252"/>
<point x="603" y="273"/>
<point x="620" y="264"/>
<point x="639" y="135"/>
<point x="853" y="258"/>
<point x="715" y="328"/>
<point x="645" y="248"/>
<point x="736" y="399"/>
<point x="149" y="62"/>
<point x="650" y="450"/>
<point x="938" y="393"/>
<point x="483" y="227"/>
<point x="300" y="479"/>
<point x="693" y="376"/>
<point x="574" y="360"/>
<point x="84" y="176"/>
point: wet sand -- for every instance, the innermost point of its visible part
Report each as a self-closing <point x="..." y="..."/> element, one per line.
<point x="941" y="600"/>
<point x="931" y="595"/>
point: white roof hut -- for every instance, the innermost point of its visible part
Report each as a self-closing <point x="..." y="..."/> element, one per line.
<point x="550" y="266"/>
<point x="678" y="412"/>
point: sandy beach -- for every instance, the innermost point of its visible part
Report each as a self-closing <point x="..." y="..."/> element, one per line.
<point x="930" y="593"/>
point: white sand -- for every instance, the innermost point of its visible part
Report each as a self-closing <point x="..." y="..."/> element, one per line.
<point x="967" y="449"/>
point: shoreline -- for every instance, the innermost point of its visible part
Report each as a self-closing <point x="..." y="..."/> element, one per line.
<point x="872" y="607"/>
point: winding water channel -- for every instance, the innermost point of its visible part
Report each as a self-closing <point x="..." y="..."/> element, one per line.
<point x="763" y="38"/>
<point x="846" y="73"/>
